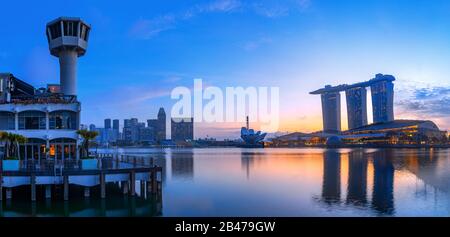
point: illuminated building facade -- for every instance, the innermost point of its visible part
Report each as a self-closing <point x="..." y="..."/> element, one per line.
<point x="49" y="119"/>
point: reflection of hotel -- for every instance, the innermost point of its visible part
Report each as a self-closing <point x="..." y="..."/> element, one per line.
<point x="331" y="186"/>
<point x="383" y="180"/>
<point x="48" y="117"/>
<point x="357" y="178"/>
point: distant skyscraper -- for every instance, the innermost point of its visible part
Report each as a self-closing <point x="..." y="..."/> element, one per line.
<point x="182" y="129"/>
<point x="331" y="111"/>
<point x="92" y="127"/>
<point x="107" y="123"/>
<point x="158" y="125"/>
<point x="356" y="107"/>
<point x="116" y="124"/>
<point x="131" y="130"/>
<point x="383" y="98"/>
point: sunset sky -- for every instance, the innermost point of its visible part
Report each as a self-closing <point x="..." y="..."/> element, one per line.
<point x="140" y="50"/>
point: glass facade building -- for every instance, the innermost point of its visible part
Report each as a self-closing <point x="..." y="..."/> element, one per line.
<point x="331" y="112"/>
<point x="356" y="107"/>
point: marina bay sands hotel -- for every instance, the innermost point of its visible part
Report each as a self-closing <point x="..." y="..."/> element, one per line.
<point x="382" y="90"/>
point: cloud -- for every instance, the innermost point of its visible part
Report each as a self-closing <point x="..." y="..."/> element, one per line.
<point x="271" y="11"/>
<point x="148" y="28"/>
<point x="427" y="102"/>
<point x="276" y="8"/>
<point x="252" y="45"/>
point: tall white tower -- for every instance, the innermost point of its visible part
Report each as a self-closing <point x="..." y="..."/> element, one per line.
<point x="68" y="39"/>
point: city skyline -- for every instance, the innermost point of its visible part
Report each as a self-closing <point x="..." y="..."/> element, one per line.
<point x="135" y="61"/>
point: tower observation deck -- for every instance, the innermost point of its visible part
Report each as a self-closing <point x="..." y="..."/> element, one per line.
<point x="68" y="39"/>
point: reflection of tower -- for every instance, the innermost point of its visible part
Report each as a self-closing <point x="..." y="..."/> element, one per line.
<point x="357" y="178"/>
<point x="383" y="185"/>
<point x="331" y="186"/>
<point x="68" y="40"/>
<point x="247" y="162"/>
<point x="183" y="164"/>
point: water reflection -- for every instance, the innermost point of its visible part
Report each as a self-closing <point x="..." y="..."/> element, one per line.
<point x="278" y="182"/>
<point x="383" y="184"/>
<point x="113" y="206"/>
<point x="331" y="185"/>
<point x="183" y="164"/>
<point x="357" y="178"/>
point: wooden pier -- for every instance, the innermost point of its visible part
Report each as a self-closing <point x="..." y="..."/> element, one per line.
<point x="88" y="173"/>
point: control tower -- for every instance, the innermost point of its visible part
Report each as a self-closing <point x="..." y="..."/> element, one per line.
<point x="68" y="39"/>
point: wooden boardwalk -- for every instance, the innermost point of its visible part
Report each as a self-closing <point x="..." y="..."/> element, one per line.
<point x="57" y="175"/>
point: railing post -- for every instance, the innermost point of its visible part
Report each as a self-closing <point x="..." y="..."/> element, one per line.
<point x="33" y="186"/>
<point x="66" y="188"/>
<point x="102" y="185"/>
<point x="133" y="183"/>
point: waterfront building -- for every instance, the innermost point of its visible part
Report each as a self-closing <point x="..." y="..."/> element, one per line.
<point x="116" y="128"/>
<point x="182" y="129"/>
<point x="131" y="130"/>
<point x="107" y="124"/>
<point x="382" y="90"/>
<point x="383" y="98"/>
<point x="250" y="137"/>
<point x="397" y="132"/>
<point x="158" y="125"/>
<point x="356" y="107"/>
<point x="146" y="134"/>
<point x="50" y="118"/>
<point x="331" y="111"/>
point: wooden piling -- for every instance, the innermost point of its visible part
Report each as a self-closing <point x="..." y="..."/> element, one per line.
<point x="102" y="185"/>
<point x="8" y="193"/>
<point x="1" y="185"/>
<point x="33" y="187"/>
<point x="142" y="188"/>
<point x="154" y="181"/>
<point x="132" y="183"/>
<point x="48" y="191"/>
<point x="66" y="188"/>
<point x="87" y="192"/>
<point x="125" y="187"/>
<point x="1" y="181"/>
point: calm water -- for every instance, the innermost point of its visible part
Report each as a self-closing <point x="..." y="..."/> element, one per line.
<point x="277" y="182"/>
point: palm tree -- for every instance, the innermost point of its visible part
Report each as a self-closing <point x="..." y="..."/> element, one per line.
<point x="87" y="137"/>
<point x="12" y="143"/>
<point x="4" y="138"/>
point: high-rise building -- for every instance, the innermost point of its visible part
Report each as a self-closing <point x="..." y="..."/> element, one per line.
<point x="131" y="130"/>
<point x="107" y="124"/>
<point x="182" y="129"/>
<point x="356" y="107"/>
<point x="382" y="89"/>
<point x="158" y="125"/>
<point x="383" y="98"/>
<point x="92" y="127"/>
<point x="331" y="111"/>
<point x="116" y="124"/>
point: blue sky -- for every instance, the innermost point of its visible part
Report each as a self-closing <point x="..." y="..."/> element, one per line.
<point x="140" y="50"/>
